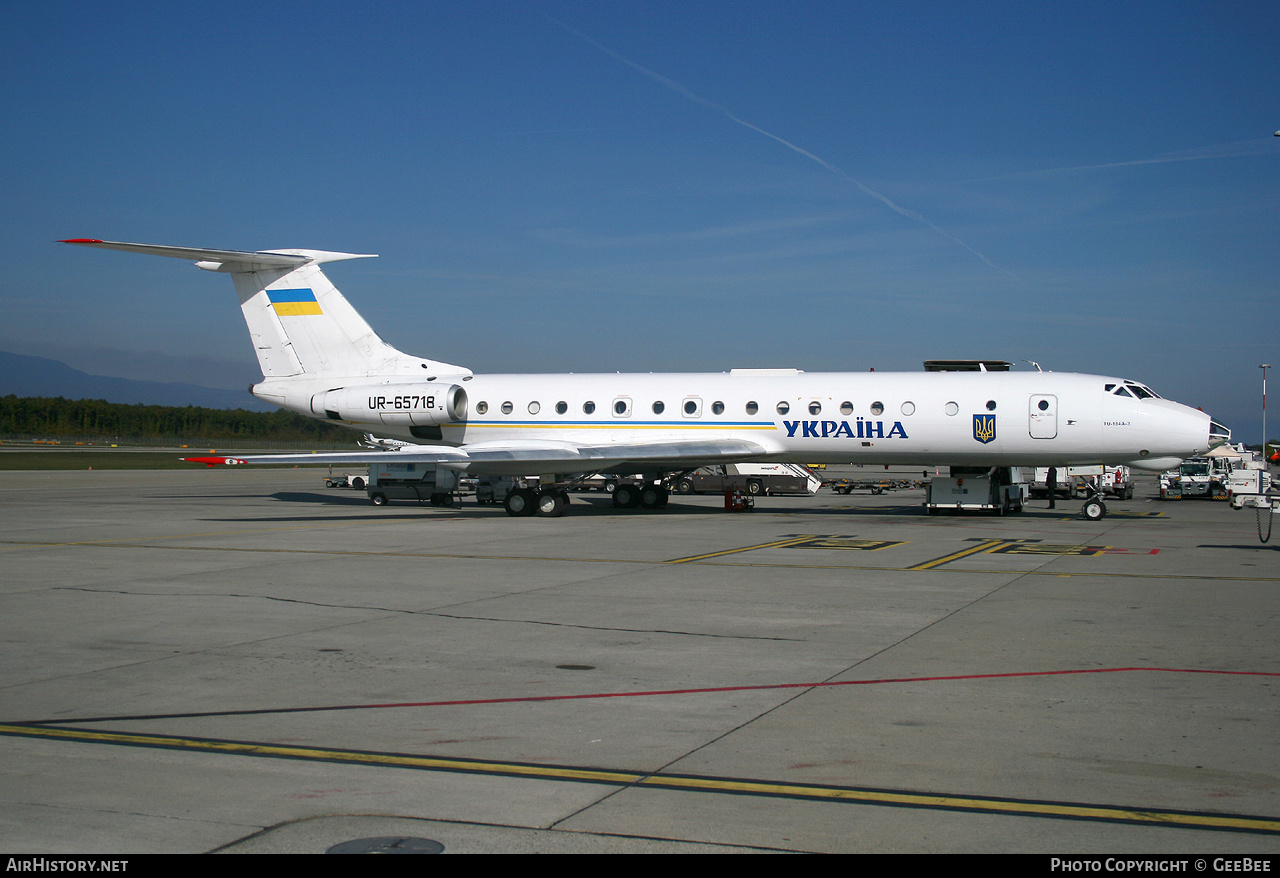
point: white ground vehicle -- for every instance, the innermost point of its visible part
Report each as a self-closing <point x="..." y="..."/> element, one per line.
<point x="1248" y="481"/>
<point x="1205" y="477"/>
<point x="1114" y="481"/>
<point x="751" y="478"/>
<point x="997" y="489"/>
<point x="1079" y="481"/>
<point x="411" y="481"/>
<point x="1037" y="488"/>
<point x="1253" y="491"/>
<point x="356" y="481"/>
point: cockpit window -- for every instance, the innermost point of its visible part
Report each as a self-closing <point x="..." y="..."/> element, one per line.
<point x="1131" y="389"/>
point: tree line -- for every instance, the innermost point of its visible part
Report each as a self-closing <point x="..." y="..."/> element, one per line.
<point x="42" y="416"/>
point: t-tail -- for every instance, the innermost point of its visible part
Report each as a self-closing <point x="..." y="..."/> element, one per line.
<point x="306" y="335"/>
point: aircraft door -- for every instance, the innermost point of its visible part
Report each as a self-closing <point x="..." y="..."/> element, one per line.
<point x="1043" y="416"/>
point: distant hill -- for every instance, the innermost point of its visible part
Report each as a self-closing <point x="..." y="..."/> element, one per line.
<point x="39" y="377"/>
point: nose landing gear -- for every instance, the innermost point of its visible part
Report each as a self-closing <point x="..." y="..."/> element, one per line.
<point x="1094" y="509"/>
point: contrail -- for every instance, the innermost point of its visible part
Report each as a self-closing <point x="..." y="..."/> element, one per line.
<point x="1258" y="146"/>
<point x="711" y="105"/>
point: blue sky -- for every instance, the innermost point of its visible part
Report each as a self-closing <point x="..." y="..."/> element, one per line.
<point x="660" y="186"/>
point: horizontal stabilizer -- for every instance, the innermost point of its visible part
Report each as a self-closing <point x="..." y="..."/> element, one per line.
<point x="230" y="260"/>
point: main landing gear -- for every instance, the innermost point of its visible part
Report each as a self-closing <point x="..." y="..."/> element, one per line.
<point x="640" y="496"/>
<point x="552" y="500"/>
<point x="549" y="502"/>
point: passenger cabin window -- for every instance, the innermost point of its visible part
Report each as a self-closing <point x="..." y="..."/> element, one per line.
<point x="717" y="407"/>
<point x="535" y="407"/>
<point x="784" y="407"/>
<point x="659" y="407"/>
<point x="482" y="407"/>
<point x="692" y="407"/>
<point x="562" y="407"/>
<point x="877" y="408"/>
<point x="753" y="407"/>
<point x="846" y="408"/>
<point x="815" y="408"/>
<point x="507" y="408"/>
<point x="588" y="407"/>
<point x="622" y="408"/>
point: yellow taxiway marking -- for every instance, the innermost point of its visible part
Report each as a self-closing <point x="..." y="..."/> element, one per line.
<point x="689" y="783"/>
<point x="790" y="541"/>
<point x="1194" y="577"/>
<point x="984" y="546"/>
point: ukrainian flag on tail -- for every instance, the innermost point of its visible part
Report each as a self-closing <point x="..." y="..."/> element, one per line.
<point x="294" y="303"/>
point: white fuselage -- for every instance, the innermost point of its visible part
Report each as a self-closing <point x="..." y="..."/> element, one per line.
<point x="960" y="418"/>
<point x="320" y="358"/>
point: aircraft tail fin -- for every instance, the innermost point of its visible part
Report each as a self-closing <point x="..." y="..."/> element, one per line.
<point x="298" y="321"/>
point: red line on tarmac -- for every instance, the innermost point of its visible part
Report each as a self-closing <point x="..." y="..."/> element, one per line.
<point x="525" y="699"/>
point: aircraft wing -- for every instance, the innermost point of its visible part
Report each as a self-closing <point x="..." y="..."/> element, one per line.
<point x="531" y="457"/>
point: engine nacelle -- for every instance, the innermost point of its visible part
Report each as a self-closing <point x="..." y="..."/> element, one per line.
<point x="399" y="404"/>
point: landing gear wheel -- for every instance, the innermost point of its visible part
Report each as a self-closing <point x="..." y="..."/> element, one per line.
<point x="626" y="497"/>
<point x="1094" y="510"/>
<point x="550" y="504"/>
<point x="520" y="502"/>
<point x="653" y="497"/>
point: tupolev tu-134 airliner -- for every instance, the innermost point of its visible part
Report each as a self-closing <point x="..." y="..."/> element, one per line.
<point x="320" y="358"/>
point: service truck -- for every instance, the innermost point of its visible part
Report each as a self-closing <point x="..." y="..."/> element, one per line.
<point x="1077" y="481"/>
<point x="347" y="480"/>
<point x="992" y="489"/>
<point x="1197" y="477"/>
<point x="424" y="482"/>
<point x="1115" y="481"/>
<point x="750" y="478"/>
